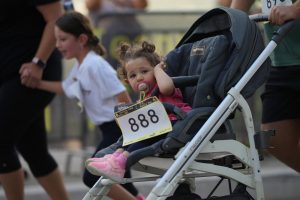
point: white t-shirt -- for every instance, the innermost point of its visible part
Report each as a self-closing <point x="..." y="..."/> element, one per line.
<point x="97" y="87"/>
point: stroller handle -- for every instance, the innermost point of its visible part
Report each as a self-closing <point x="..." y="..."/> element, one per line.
<point x="259" y="17"/>
<point x="282" y="31"/>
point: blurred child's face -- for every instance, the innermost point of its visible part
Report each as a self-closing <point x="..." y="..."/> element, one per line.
<point x="140" y="72"/>
<point x="67" y="43"/>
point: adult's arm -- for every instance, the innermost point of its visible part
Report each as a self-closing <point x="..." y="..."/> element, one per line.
<point x="243" y="5"/>
<point x="51" y="12"/>
<point x="31" y="73"/>
<point x="280" y="14"/>
<point x="93" y="5"/>
<point x="139" y="4"/>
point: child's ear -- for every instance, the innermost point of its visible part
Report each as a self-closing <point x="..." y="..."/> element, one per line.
<point x="83" y="39"/>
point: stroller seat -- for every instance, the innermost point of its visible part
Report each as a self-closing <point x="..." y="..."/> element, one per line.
<point x="206" y="64"/>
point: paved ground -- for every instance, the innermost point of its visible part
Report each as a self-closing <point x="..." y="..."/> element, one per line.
<point x="280" y="182"/>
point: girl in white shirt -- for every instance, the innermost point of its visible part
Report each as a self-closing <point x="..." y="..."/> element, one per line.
<point x="93" y="82"/>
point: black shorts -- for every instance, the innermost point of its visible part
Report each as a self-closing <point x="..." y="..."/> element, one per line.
<point x="22" y="125"/>
<point x="281" y="98"/>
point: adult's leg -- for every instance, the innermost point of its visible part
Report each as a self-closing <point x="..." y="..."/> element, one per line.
<point x="48" y="175"/>
<point x="12" y="123"/>
<point x="13" y="184"/>
<point x="54" y="185"/>
<point x="41" y="163"/>
<point x="285" y="144"/>
<point x="19" y="107"/>
<point x="281" y="112"/>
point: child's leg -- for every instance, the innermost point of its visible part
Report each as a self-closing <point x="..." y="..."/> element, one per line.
<point x="144" y="143"/>
<point x="114" y="167"/>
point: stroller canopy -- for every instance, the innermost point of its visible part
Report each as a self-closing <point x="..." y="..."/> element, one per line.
<point x="219" y="48"/>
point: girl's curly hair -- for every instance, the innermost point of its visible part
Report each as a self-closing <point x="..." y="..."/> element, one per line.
<point x="128" y="52"/>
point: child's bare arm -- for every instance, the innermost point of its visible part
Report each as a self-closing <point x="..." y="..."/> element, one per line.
<point x="164" y="81"/>
<point x="51" y="86"/>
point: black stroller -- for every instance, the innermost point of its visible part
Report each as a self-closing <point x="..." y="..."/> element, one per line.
<point x="219" y="62"/>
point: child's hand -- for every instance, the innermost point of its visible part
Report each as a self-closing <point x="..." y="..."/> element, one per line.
<point x="162" y="65"/>
<point x="30" y="75"/>
<point x="163" y="80"/>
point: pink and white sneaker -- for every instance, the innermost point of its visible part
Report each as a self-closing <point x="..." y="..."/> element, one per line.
<point x="102" y="159"/>
<point x="113" y="168"/>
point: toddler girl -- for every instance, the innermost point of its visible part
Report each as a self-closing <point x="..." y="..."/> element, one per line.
<point x="143" y="70"/>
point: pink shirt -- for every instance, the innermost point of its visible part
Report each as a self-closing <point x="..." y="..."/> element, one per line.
<point x="175" y="99"/>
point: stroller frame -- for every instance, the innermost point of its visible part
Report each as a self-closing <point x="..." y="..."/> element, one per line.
<point x="185" y="166"/>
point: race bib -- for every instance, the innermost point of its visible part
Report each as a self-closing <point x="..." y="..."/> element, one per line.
<point x="143" y="120"/>
<point x="268" y="4"/>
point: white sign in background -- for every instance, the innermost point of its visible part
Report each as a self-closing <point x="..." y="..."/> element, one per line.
<point x="143" y="120"/>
